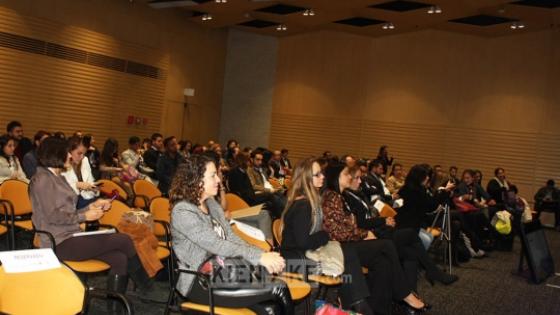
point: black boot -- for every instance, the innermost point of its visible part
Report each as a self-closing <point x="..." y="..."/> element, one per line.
<point x="282" y="295"/>
<point x="118" y="284"/>
<point x="137" y="273"/>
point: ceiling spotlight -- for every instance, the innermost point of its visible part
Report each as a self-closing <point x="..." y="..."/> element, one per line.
<point x="221" y="1"/>
<point x="206" y="17"/>
<point x="517" y="26"/>
<point x="281" y="27"/>
<point x="308" y="12"/>
<point x="434" y="10"/>
<point x="388" y="26"/>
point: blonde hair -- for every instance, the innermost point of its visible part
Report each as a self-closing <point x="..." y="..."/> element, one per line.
<point x="302" y="186"/>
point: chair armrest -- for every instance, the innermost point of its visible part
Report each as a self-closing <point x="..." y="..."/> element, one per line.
<point x="50" y="236"/>
<point x="108" y="226"/>
<point x="166" y="228"/>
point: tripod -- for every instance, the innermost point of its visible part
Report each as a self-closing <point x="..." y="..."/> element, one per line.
<point x="443" y="212"/>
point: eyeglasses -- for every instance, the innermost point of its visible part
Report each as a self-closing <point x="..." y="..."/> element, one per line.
<point x="318" y="174"/>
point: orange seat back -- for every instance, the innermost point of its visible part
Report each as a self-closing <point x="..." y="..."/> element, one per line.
<point x="159" y="208"/>
<point x="114" y="215"/>
<point x="277" y="226"/>
<point x="107" y="187"/>
<point x="17" y="193"/>
<point x="234" y="202"/>
<point x="145" y="188"/>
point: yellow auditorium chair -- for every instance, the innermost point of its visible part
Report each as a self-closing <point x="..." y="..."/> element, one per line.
<point x="109" y="187"/>
<point x="14" y="197"/>
<point x="159" y="208"/>
<point x="234" y="202"/>
<point x="144" y="193"/>
<point x="49" y="292"/>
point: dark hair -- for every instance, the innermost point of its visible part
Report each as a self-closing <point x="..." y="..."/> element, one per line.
<point x="53" y="152"/>
<point x="255" y="152"/>
<point x="60" y="135"/>
<point x="436" y="166"/>
<point x="393" y="168"/>
<point x="12" y="124"/>
<point x="326" y="153"/>
<point x="74" y="142"/>
<point x="167" y="140"/>
<point x="284" y="151"/>
<point x="110" y="147"/>
<point x="381" y="149"/>
<point x="213" y="155"/>
<point x="86" y="140"/>
<point x="241" y="160"/>
<point x="39" y="135"/>
<point x="453" y="168"/>
<point x="183" y="144"/>
<point x="468" y="171"/>
<point x="550" y="183"/>
<point x="417" y="175"/>
<point x="374" y="163"/>
<point x="4" y="142"/>
<point x="147" y="140"/>
<point x="513" y="188"/>
<point x="133" y="140"/>
<point x="187" y="184"/>
<point x="498" y="169"/>
<point x="230" y="141"/>
<point x="332" y="173"/>
<point x="156" y="135"/>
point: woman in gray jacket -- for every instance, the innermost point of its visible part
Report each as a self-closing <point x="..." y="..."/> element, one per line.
<point x="200" y="230"/>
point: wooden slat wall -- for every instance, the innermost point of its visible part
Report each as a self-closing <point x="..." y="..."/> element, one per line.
<point x="531" y="158"/>
<point x="432" y="97"/>
<point x="60" y="95"/>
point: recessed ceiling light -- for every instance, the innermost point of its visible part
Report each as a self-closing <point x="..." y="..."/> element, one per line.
<point x="308" y="12"/>
<point x="281" y="27"/>
<point x="388" y="26"/>
<point x="206" y="17"/>
<point x="434" y="10"/>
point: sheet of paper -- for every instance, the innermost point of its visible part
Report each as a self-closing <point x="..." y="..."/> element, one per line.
<point x="108" y="231"/>
<point x="249" y="230"/>
<point x="29" y="260"/>
<point x="247" y="212"/>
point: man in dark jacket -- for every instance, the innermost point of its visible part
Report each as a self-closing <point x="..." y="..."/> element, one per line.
<point x="548" y="198"/>
<point x="167" y="164"/>
<point x="152" y="155"/>
<point x="373" y="185"/>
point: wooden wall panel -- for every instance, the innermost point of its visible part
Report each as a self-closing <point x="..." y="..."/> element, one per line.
<point x="54" y="94"/>
<point x="432" y="97"/>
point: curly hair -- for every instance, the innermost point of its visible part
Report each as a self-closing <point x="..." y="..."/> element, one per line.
<point x="187" y="184"/>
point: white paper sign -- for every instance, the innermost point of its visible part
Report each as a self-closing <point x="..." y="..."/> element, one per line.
<point x="29" y="260"/>
<point x="379" y="205"/>
<point x="249" y="230"/>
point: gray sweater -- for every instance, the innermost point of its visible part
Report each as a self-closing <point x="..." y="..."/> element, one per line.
<point x="194" y="239"/>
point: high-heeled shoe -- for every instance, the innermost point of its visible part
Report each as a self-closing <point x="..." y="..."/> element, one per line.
<point x="440" y="277"/>
<point x="411" y="310"/>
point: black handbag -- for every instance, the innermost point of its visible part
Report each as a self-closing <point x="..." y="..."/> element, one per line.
<point x="231" y="273"/>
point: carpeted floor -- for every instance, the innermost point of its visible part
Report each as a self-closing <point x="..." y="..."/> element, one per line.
<point x="486" y="286"/>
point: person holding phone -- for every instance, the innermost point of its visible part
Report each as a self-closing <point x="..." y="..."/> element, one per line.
<point x="79" y="174"/>
<point x="54" y="210"/>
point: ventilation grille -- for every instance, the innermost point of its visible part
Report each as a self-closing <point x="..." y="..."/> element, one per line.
<point x="40" y="47"/>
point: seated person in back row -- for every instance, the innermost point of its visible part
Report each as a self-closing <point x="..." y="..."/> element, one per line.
<point x="548" y="198"/>
<point x="240" y="184"/>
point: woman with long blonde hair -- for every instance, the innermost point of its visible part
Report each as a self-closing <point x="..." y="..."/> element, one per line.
<point x="303" y="221"/>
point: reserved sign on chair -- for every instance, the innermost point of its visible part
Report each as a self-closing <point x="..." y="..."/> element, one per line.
<point x="28" y="260"/>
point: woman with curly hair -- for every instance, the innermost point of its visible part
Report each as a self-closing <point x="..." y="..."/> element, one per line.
<point x="200" y="230"/>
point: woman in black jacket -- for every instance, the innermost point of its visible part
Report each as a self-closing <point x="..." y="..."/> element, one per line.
<point x="409" y="246"/>
<point x="303" y="231"/>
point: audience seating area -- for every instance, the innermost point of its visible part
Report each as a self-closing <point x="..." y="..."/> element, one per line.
<point x="142" y="194"/>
